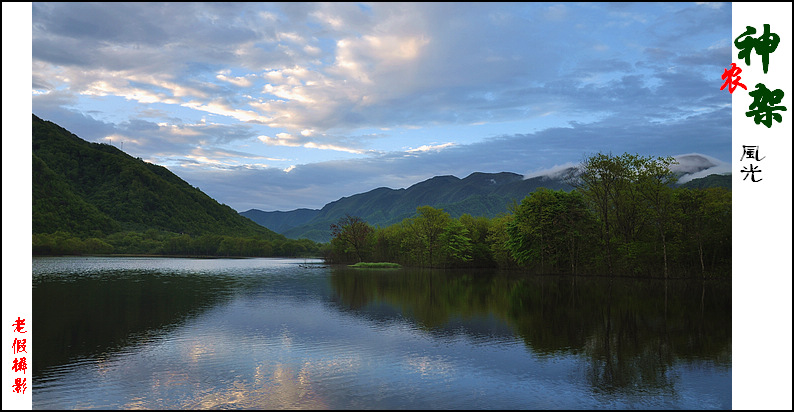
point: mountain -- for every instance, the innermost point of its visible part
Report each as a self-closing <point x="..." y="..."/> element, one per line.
<point x="280" y="222"/>
<point x="709" y="181"/>
<point x="94" y="189"/>
<point x="479" y="194"/>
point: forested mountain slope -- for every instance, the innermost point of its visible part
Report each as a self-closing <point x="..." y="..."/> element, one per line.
<point x="94" y="189"/>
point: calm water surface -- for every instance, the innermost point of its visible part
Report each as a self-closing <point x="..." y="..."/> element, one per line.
<point x="166" y="333"/>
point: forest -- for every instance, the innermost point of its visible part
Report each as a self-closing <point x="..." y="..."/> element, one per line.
<point x="624" y="217"/>
<point x="162" y="243"/>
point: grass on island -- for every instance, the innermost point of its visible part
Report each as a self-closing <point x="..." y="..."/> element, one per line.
<point x="376" y="265"/>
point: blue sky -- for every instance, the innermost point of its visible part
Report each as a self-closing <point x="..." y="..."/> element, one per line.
<point x="278" y="106"/>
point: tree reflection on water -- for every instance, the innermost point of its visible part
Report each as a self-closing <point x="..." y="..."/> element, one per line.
<point x="629" y="331"/>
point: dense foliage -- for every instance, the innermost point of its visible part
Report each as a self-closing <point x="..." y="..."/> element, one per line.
<point x="625" y="216"/>
<point x="93" y="198"/>
<point x="157" y="242"/>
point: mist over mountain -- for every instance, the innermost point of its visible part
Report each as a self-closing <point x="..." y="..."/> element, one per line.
<point x="695" y="165"/>
<point x="689" y="166"/>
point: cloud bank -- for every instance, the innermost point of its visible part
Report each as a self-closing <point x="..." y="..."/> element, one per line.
<point x="288" y="105"/>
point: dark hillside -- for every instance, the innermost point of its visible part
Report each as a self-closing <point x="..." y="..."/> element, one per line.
<point x="95" y="189"/>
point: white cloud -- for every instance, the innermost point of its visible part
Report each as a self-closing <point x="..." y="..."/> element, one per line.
<point x="555" y="171"/>
<point x="239" y="81"/>
<point x="431" y="147"/>
<point x="312" y="50"/>
<point x="286" y="139"/>
<point x="711" y="4"/>
<point x="225" y="109"/>
<point x="290" y="37"/>
<point x="281" y="139"/>
<point x="296" y="94"/>
<point x="313" y="145"/>
<point x="697" y="165"/>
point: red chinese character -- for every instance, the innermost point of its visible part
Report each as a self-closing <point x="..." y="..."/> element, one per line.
<point x="20" y="345"/>
<point x="20" y="384"/>
<point x="729" y="75"/>
<point x="19" y="324"/>
<point x="20" y="364"/>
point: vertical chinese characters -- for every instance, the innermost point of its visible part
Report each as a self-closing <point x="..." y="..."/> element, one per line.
<point x="20" y="363"/>
<point x="765" y="107"/>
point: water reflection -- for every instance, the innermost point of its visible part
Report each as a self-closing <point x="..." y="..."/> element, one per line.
<point x="264" y="334"/>
<point x="96" y="316"/>
<point x="630" y="332"/>
<point x="282" y="388"/>
<point x="93" y="308"/>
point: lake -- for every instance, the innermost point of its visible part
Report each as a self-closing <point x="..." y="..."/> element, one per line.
<point x="171" y="333"/>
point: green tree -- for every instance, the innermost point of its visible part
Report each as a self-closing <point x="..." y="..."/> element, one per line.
<point x="206" y="245"/>
<point x="479" y="229"/>
<point x="178" y="245"/>
<point x="352" y="235"/>
<point x="530" y="232"/>
<point x="576" y="225"/>
<point x="655" y="180"/>
<point x="457" y="246"/>
<point x="423" y="236"/>
<point x="431" y="223"/>
<point x="497" y="241"/>
<point x="627" y="193"/>
<point x="706" y="216"/>
<point x="94" y="245"/>
<point x="547" y="228"/>
<point x="386" y="243"/>
<point x="597" y="179"/>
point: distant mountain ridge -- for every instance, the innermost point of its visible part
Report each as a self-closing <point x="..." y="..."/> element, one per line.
<point x="279" y="221"/>
<point x="94" y="189"/>
<point x="479" y="194"/>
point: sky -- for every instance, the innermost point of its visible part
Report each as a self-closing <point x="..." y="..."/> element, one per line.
<point x="279" y="106"/>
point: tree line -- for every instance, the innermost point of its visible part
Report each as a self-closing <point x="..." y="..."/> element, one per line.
<point x="158" y="242"/>
<point x="624" y="217"/>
